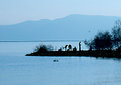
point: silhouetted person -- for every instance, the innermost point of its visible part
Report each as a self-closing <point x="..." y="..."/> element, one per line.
<point x="60" y="49"/>
<point x="90" y="48"/>
<point x="70" y="47"/>
<point x="79" y="46"/>
<point x="74" y="49"/>
<point x="66" y="47"/>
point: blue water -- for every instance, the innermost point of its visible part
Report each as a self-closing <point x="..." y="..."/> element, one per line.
<point x="17" y="69"/>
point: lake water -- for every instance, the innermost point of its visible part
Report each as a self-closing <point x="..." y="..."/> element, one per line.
<point x="17" y="69"/>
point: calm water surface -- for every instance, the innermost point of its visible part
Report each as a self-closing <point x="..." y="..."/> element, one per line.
<point x="17" y="69"/>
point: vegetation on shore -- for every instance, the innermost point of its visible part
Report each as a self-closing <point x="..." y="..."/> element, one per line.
<point x="104" y="44"/>
<point x="94" y="53"/>
<point x="107" y="40"/>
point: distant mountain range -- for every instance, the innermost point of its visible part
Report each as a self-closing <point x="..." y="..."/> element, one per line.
<point x="73" y="27"/>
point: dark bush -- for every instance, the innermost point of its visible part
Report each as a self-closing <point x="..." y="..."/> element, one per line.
<point x="43" y="48"/>
<point x="102" y="41"/>
<point x="116" y="34"/>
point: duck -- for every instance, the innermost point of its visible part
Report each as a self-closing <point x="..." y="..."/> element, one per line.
<point x="55" y="60"/>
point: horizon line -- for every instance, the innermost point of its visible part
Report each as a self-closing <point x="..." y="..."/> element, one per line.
<point x="42" y="41"/>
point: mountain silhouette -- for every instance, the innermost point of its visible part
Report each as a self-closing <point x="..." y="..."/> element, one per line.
<point x="72" y="27"/>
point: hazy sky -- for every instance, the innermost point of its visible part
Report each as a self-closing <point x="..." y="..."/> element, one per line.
<point x="15" y="11"/>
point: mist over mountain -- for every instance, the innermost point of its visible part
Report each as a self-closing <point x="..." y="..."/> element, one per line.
<point x="73" y="27"/>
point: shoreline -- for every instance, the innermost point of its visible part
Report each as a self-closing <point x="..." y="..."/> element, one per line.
<point x="96" y="53"/>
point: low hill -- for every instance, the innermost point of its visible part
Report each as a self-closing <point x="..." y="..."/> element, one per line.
<point x="73" y="27"/>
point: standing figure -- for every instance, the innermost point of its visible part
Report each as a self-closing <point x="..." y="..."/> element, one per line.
<point x="66" y="47"/>
<point x="90" y="48"/>
<point x="79" y="46"/>
<point x="69" y="47"/>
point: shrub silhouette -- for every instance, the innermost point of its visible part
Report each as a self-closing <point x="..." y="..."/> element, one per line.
<point x="102" y="41"/>
<point x="116" y="34"/>
<point x="43" y="48"/>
